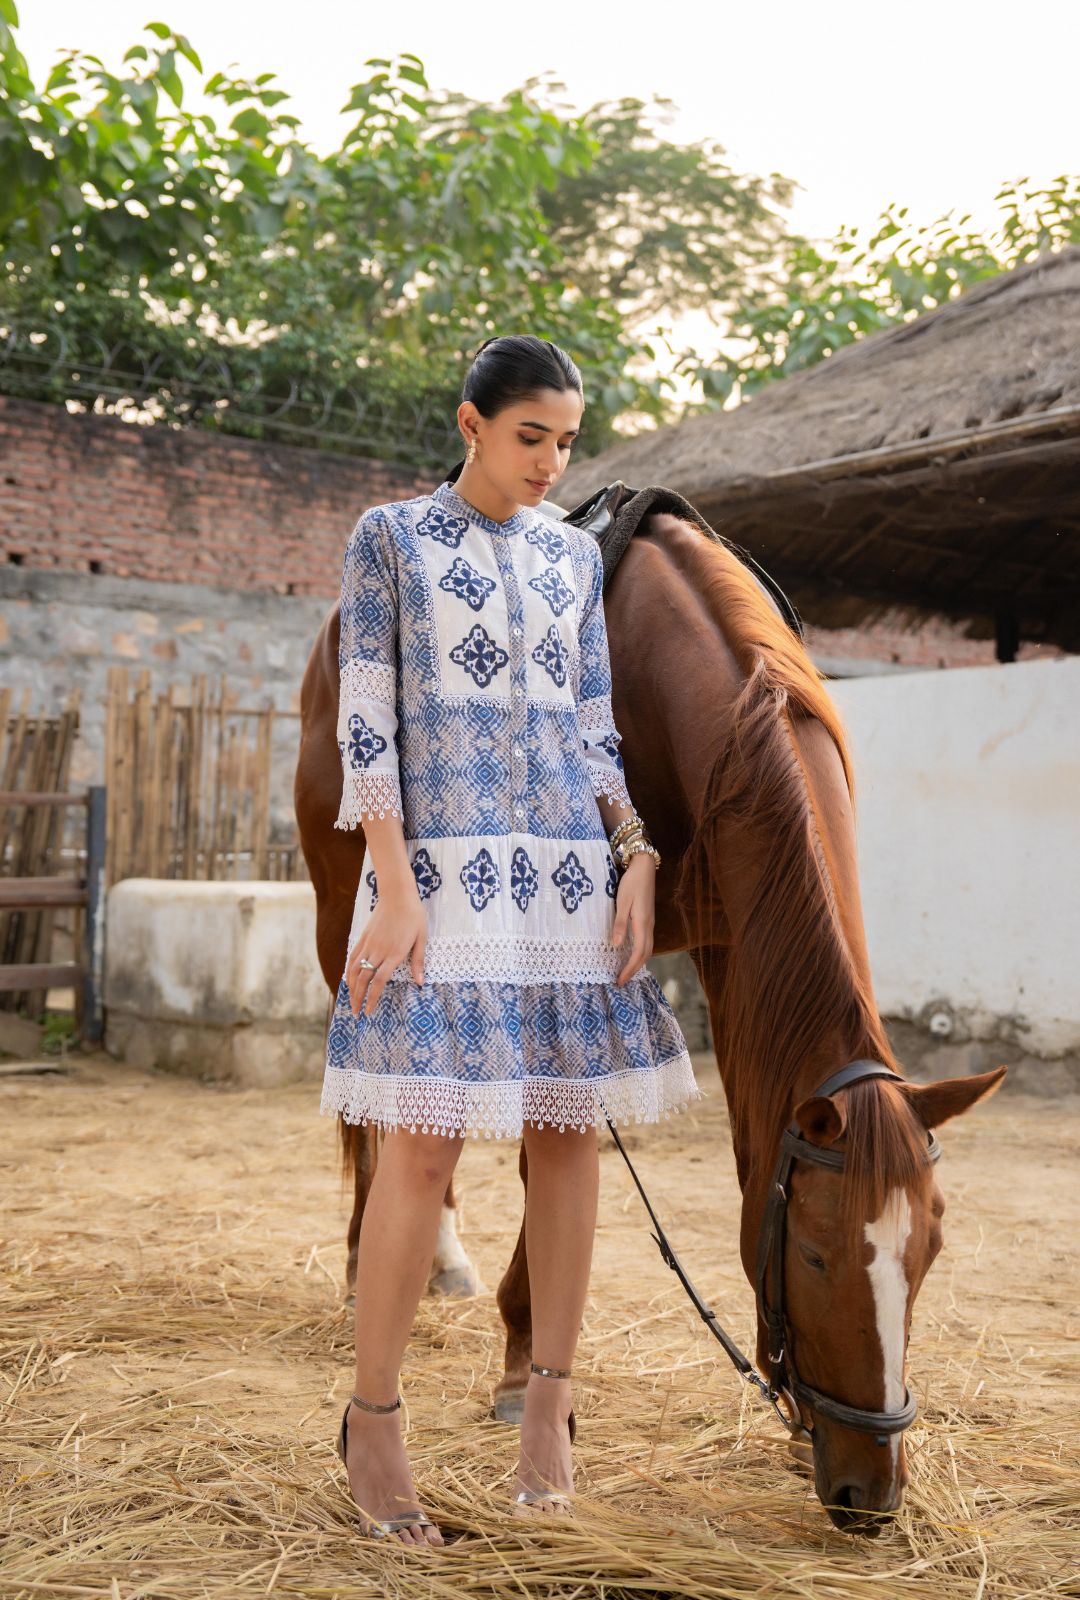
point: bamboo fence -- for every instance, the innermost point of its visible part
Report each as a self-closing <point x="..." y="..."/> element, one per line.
<point x="188" y="774"/>
<point x="35" y="757"/>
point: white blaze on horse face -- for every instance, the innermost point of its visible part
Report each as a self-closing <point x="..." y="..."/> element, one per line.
<point x="888" y="1280"/>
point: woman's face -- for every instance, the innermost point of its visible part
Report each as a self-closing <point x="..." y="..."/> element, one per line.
<point x="524" y="449"/>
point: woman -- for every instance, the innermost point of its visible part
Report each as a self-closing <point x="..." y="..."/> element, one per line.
<point x="488" y="985"/>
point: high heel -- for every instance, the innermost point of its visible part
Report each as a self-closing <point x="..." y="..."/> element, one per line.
<point x="549" y="1497"/>
<point x="384" y="1527"/>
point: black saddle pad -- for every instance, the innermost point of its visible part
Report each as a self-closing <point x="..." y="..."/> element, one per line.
<point x="613" y="515"/>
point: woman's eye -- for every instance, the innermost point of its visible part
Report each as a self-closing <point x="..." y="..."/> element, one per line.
<point x="523" y="439"/>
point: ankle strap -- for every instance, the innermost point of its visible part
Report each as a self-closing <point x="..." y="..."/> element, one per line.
<point x="550" y="1372"/>
<point x="368" y="1405"/>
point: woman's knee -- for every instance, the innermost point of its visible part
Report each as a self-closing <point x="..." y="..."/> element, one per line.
<point x="427" y="1158"/>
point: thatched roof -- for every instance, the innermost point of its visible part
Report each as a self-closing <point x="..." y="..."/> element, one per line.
<point x="934" y="466"/>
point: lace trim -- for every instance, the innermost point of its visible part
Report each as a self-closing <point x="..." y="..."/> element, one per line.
<point x="608" y="783"/>
<point x="370" y="795"/>
<point x="595" y="714"/>
<point x="498" y="1110"/>
<point x="367" y="680"/>
<point x="517" y="960"/>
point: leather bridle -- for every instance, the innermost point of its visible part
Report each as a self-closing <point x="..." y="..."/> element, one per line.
<point x="783" y="1384"/>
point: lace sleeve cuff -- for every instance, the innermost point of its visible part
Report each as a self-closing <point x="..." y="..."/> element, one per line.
<point x="369" y="795"/>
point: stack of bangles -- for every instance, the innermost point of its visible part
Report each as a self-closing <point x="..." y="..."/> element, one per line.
<point x="631" y="838"/>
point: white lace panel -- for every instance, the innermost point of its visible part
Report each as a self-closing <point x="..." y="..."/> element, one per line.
<point x="498" y="1108"/>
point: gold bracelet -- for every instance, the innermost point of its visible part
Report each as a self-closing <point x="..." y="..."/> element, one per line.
<point x="619" y="850"/>
<point x="624" y="827"/>
<point x="641" y="847"/>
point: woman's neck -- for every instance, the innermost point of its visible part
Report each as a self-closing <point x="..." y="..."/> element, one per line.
<point x="472" y="486"/>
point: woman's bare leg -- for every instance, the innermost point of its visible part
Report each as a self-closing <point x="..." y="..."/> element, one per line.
<point x="396" y="1247"/>
<point x="560" y="1221"/>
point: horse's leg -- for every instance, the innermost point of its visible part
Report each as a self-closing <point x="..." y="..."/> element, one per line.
<point x="515" y="1306"/>
<point x="452" y="1273"/>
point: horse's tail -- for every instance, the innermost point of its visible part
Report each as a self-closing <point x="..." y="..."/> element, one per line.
<point x="788" y="977"/>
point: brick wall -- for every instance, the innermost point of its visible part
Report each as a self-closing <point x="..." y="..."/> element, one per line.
<point x="94" y="495"/>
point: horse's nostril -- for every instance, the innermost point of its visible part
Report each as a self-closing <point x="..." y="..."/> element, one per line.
<point x="847" y="1515"/>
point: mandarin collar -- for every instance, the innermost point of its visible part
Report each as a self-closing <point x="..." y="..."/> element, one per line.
<point x="448" y="497"/>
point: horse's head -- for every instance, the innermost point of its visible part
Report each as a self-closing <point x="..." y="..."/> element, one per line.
<point x="858" y="1244"/>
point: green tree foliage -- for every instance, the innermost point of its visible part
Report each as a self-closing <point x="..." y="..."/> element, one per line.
<point x="244" y="281"/>
<point x="818" y="300"/>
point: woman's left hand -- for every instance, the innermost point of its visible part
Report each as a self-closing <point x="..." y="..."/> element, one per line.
<point x="635" y="903"/>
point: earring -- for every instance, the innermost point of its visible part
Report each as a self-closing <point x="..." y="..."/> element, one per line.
<point x="471" y="457"/>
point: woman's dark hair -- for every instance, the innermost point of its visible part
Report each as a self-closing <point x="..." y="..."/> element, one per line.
<point x="511" y="368"/>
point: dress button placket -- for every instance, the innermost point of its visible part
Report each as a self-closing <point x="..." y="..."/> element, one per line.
<point x="519" y="711"/>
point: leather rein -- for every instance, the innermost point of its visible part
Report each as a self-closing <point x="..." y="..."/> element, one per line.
<point x="783" y="1383"/>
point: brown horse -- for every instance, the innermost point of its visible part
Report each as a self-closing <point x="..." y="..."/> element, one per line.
<point x="736" y="756"/>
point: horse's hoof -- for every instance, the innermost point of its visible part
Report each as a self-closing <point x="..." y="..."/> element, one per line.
<point x="510" y="1406"/>
<point x="458" y="1283"/>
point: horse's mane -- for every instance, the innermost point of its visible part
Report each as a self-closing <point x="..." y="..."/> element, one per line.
<point x="788" y="978"/>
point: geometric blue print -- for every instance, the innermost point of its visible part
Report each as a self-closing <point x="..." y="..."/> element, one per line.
<point x="480" y="655"/>
<point x="549" y="540"/>
<point x="524" y="878"/>
<point x="481" y="879"/>
<point x="365" y="745"/>
<point x="443" y="526"/>
<point x="557" y="594"/>
<point x="427" y="875"/>
<point x="466" y="582"/>
<point x="612" y="878"/>
<point x="373" y="886"/>
<point x="572" y="881"/>
<point x="552" y="655"/>
<point x="612" y="747"/>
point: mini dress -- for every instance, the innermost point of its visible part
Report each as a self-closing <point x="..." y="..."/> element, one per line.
<point x="475" y="704"/>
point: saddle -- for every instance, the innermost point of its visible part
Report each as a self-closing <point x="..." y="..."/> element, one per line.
<point x="613" y="515"/>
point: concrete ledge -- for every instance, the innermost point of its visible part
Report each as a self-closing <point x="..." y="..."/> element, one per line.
<point x="215" y="980"/>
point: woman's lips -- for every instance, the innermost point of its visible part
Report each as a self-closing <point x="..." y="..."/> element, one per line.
<point x="542" y="488"/>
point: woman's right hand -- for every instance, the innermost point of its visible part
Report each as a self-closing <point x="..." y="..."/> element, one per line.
<point x="396" y="927"/>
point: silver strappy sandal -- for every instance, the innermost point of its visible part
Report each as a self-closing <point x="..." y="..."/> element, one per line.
<point x="549" y="1497"/>
<point x="385" y="1527"/>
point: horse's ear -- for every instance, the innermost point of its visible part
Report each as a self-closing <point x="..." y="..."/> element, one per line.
<point x="821" y="1119"/>
<point x="935" y="1103"/>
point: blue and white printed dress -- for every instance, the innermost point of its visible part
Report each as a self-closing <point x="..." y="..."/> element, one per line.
<point x="476" y="705"/>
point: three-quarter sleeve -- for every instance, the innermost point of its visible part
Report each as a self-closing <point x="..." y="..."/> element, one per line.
<point x="367" y="659"/>
<point x="599" y="735"/>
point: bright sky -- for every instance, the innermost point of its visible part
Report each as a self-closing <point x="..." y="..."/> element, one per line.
<point x="932" y="106"/>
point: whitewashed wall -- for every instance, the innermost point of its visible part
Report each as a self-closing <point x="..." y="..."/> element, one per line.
<point x="968" y="796"/>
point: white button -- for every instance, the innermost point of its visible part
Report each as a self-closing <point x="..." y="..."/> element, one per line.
<point x="519" y="811"/>
<point x="517" y="633"/>
<point x="517" y="750"/>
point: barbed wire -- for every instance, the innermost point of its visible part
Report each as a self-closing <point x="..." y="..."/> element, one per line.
<point x="227" y="394"/>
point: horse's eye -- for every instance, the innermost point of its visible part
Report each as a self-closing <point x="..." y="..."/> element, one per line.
<point x="812" y="1258"/>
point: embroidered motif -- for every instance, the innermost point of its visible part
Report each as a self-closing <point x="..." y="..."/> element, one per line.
<point x="549" y="540"/>
<point x="612" y="883"/>
<point x="479" y="654"/>
<point x="427" y="875"/>
<point x="443" y="527"/>
<point x="373" y="886"/>
<point x="468" y="584"/>
<point x="610" y="743"/>
<point x="552" y="655"/>
<point x="365" y="745"/>
<point x="572" y="881"/>
<point x="524" y="878"/>
<point x="368" y="794"/>
<point x="481" y="879"/>
<point x="557" y="593"/>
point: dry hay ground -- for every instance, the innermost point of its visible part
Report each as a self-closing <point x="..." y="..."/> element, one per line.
<point x="177" y="1353"/>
